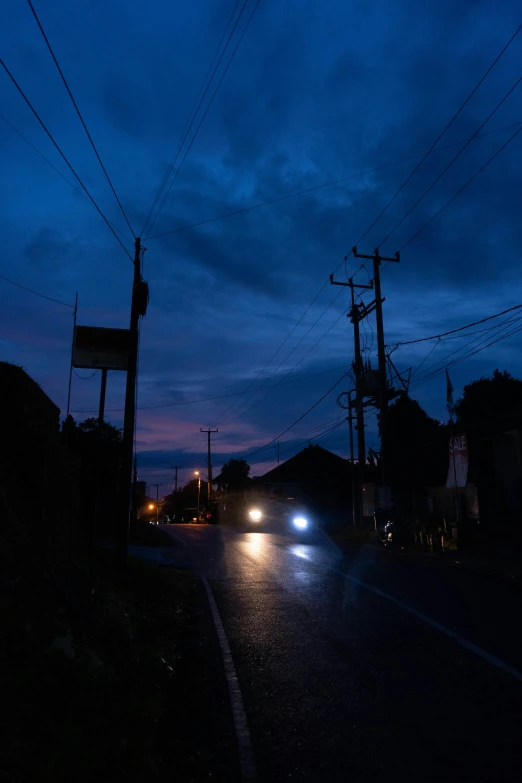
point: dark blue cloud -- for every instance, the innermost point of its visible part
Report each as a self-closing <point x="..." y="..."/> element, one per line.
<point x="316" y="92"/>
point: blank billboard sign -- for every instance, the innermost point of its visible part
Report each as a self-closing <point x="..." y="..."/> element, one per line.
<point x="98" y="347"/>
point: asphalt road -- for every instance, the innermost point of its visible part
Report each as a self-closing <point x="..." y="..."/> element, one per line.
<point x="359" y="665"/>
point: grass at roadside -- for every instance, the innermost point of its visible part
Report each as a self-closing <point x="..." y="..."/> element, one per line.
<point x="146" y="534"/>
<point x="109" y="676"/>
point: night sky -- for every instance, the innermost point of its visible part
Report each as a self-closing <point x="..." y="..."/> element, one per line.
<point x="316" y="92"/>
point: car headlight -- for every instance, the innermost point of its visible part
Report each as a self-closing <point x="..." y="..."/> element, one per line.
<point x="300" y="522"/>
<point x="255" y="514"/>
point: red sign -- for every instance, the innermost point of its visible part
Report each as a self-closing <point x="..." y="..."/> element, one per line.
<point x="458" y="461"/>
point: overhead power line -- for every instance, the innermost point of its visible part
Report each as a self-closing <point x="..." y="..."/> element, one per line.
<point x="211" y="399"/>
<point x="439" y="137"/>
<point x="36" y="293"/>
<point x="78" y="112"/>
<point x="290" y="354"/>
<point x="84" y="377"/>
<point x="451" y="163"/>
<point x="197" y="104"/>
<point x="315" y="433"/>
<point x="431" y="374"/>
<point x="225" y="71"/>
<point x="418" y="367"/>
<point x="55" y="144"/>
<point x="298" y="442"/>
<point x="466" y="184"/>
<point x="329" y="184"/>
<point x="497" y="328"/>
<point x="325" y="395"/>
<point x="460" y="328"/>
<point x="269" y="391"/>
<point x="290" y="333"/>
<point x="444" y="362"/>
<point x="326" y="283"/>
<point x="484" y="335"/>
<point x="42" y="156"/>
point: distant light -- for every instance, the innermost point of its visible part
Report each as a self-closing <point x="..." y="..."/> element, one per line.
<point x="151" y="505"/>
<point x="301" y="523"/>
<point x="255" y="515"/>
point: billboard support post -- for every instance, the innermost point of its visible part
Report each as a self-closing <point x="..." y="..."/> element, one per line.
<point x="70" y="370"/>
<point x="103" y="389"/>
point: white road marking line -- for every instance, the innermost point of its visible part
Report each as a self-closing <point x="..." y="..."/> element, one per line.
<point x="474" y="648"/>
<point x="244" y="741"/>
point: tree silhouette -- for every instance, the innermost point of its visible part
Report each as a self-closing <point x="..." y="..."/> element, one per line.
<point x="486" y="403"/>
<point x="416" y="446"/>
<point x="234" y="475"/>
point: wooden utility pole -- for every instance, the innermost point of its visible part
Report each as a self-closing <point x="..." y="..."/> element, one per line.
<point x="134" y="498"/>
<point x="70" y="371"/>
<point x="352" y="460"/>
<point x="176" y="468"/>
<point x="356" y="314"/>
<point x="381" y="349"/>
<point x="103" y="389"/>
<point x="209" y="466"/>
<point x="101" y="414"/>
<point x="140" y="294"/>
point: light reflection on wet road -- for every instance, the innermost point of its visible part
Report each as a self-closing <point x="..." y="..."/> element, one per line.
<point x="340" y="683"/>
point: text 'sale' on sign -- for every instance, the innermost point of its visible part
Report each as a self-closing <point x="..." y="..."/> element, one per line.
<point x="458" y="461"/>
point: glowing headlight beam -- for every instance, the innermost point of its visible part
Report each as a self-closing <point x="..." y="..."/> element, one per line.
<point x="300" y="522"/>
<point x="255" y="515"/>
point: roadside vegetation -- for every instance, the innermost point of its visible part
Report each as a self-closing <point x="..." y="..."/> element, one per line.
<point x="106" y="676"/>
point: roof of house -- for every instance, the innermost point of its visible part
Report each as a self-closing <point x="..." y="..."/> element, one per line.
<point x="22" y="396"/>
<point x="312" y="462"/>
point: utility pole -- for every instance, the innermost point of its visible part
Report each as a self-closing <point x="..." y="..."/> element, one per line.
<point x="352" y="461"/>
<point x="356" y="314"/>
<point x="209" y="465"/>
<point x="134" y="500"/>
<point x="101" y="413"/>
<point x="140" y="296"/>
<point x="157" y="501"/>
<point x="103" y="389"/>
<point x="176" y="468"/>
<point x="381" y="350"/>
<point x="356" y="501"/>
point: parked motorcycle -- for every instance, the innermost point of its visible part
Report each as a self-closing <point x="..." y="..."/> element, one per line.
<point x="396" y="533"/>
